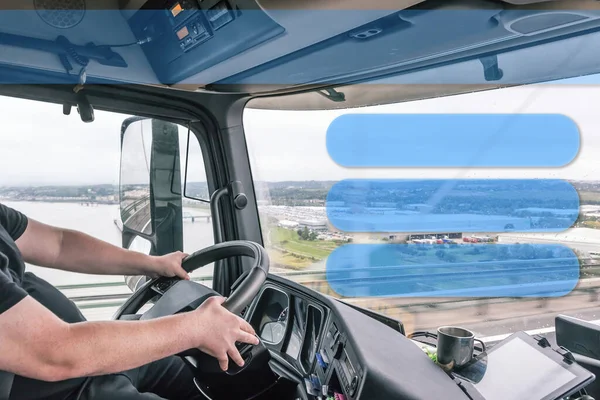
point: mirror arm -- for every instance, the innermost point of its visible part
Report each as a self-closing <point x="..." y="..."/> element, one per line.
<point x="214" y="210"/>
<point x="235" y="190"/>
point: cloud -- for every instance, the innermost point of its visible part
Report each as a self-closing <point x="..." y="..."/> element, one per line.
<point x="290" y="145"/>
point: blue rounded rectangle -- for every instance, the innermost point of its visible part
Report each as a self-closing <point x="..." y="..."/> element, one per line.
<point x="449" y="206"/>
<point x="482" y="270"/>
<point x="453" y="140"/>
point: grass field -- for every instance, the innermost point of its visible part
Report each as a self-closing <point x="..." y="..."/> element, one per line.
<point x="289" y="260"/>
<point x="295" y="253"/>
<point x="300" y="253"/>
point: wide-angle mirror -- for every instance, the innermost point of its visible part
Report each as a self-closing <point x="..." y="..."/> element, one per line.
<point x="141" y="245"/>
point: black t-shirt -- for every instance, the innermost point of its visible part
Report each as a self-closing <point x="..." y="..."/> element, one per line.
<point x="12" y="268"/>
<point x="15" y="285"/>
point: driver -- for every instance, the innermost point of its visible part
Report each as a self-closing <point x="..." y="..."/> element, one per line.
<point x="56" y="354"/>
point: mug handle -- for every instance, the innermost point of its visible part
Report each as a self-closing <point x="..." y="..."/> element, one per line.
<point x="482" y="344"/>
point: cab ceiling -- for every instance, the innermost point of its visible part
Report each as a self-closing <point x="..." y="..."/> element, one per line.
<point x="303" y="30"/>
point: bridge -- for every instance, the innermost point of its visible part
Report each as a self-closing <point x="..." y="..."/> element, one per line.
<point x="137" y="216"/>
<point x="193" y="217"/>
<point x="588" y="288"/>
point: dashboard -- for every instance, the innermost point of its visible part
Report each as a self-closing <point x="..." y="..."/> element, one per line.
<point x="329" y="347"/>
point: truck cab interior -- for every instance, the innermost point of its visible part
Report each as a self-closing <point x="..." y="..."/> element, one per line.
<point x="200" y="64"/>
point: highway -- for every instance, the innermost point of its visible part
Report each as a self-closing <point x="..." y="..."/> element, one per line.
<point x="574" y="244"/>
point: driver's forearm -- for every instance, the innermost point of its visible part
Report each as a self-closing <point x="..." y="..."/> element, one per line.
<point x="99" y="348"/>
<point x="80" y="252"/>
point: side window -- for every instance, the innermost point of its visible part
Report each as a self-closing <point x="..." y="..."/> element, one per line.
<point x="197" y="219"/>
<point x="63" y="172"/>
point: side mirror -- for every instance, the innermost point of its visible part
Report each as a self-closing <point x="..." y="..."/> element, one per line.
<point x="150" y="184"/>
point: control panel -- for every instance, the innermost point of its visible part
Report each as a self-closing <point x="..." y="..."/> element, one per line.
<point x="189" y="36"/>
<point x="343" y="370"/>
<point x="193" y="25"/>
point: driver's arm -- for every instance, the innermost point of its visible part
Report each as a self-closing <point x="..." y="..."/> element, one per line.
<point x="74" y="251"/>
<point x="34" y="343"/>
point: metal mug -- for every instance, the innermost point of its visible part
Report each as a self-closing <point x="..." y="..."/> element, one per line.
<point x="454" y="346"/>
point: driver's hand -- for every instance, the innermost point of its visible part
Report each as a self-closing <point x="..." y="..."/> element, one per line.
<point x="169" y="266"/>
<point x="219" y="330"/>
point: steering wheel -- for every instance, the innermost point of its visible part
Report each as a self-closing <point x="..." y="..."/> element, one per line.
<point x="239" y="299"/>
<point x="176" y="295"/>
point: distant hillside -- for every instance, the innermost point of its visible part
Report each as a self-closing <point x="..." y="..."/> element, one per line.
<point x="278" y="193"/>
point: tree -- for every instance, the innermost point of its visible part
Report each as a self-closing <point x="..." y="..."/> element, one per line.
<point x="304" y="233"/>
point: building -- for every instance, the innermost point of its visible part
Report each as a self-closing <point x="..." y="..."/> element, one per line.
<point x="287" y="224"/>
<point x="449" y="235"/>
<point x="313" y="224"/>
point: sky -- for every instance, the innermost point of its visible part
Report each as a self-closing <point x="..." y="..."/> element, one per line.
<point x="291" y="145"/>
<point x="41" y="146"/>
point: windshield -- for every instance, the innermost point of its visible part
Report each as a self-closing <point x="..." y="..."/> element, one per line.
<point x="297" y="171"/>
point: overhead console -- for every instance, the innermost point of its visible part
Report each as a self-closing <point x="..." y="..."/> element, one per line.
<point x="189" y="36"/>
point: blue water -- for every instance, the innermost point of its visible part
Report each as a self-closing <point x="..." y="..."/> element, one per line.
<point x="98" y="221"/>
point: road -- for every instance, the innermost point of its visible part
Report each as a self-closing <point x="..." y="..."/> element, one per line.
<point x="495" y="319"/>
<point x="496" y="331"/>
<point x="576" y="245"/>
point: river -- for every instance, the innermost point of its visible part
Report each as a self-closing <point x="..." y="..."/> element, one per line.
<point x="98" y="221"/>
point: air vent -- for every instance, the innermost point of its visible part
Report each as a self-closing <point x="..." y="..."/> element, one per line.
<point x="537" y="22"/>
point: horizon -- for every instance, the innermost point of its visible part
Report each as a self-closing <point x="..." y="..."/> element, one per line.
<point x="48" y="185"/>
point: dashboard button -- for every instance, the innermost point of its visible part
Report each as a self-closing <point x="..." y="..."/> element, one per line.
<point x="324" y="356"/>
<point x="353" y="386"/>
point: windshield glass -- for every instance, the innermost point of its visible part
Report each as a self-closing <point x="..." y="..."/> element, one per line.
<point x="296" y="176"/>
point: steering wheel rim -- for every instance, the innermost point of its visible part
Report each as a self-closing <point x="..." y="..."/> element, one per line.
<point x="250" y="286"/>
<point x="241" y="296"/>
